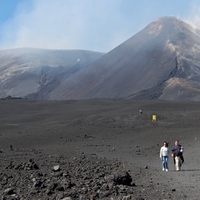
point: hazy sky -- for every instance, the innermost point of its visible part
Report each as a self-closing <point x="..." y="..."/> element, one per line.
<point x="96" y="25"/>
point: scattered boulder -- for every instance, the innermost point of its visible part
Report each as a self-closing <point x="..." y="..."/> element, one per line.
<point x="122" y="178"/>
<point x="71" y="178"/>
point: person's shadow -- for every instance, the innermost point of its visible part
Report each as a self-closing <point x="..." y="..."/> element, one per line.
<point x="192" y="170"/>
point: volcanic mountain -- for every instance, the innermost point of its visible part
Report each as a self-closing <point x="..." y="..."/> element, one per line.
<point x="159" y="62"/>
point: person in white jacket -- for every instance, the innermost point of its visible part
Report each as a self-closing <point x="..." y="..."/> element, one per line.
<point x="164" y="155"/>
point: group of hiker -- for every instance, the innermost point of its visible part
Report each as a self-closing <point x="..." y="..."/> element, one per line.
<point x="176" y="152"/>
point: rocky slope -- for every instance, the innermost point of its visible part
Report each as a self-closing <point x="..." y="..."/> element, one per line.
<point x="25" y="71"/>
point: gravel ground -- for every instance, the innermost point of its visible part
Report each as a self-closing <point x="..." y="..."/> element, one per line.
<point x="97" y="149"/>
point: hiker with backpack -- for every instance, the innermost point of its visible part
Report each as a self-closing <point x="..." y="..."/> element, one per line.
<point x="177" y="150"/>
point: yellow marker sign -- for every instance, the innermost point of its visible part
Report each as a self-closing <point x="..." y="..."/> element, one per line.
<point x="153" y="118"/>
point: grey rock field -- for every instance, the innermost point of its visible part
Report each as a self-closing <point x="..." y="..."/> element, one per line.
<point x="97" y="149"/>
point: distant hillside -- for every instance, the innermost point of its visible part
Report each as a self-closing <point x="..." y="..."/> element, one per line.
<point x="25" y="71"/>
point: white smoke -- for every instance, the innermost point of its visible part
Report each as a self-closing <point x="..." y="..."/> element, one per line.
<point x="194" y="14"/>
<point x="65" y="24"/>
<point x="97" y="25"/>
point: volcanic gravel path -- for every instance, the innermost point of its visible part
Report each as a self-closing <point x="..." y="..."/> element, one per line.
<point x="97" y="149"/>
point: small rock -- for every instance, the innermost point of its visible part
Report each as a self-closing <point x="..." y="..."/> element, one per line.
<point x="67" y="198"/>
<point x="9" y="191"/>
<point x="56" y="168"/>
<point x="126" y="197"/>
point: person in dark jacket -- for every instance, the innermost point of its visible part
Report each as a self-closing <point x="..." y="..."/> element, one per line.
<point x="177" y="150"/>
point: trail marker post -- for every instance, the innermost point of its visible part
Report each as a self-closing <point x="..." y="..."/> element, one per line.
<point x="154" y="118"/>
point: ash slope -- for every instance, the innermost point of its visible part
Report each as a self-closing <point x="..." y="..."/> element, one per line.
<point x="159" y="62"/>
<point x="25" y="71"/>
